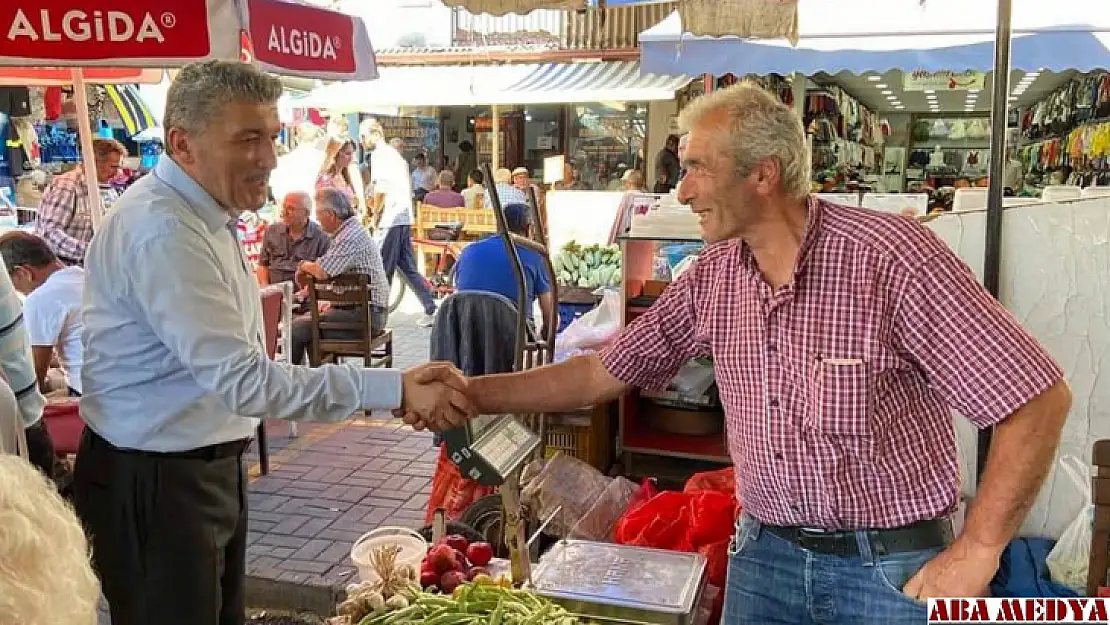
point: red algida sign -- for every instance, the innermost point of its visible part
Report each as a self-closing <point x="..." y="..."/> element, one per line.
<point x="90" y="30"/>
<point x="287" y="35"/>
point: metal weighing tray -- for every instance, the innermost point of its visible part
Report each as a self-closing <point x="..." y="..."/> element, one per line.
<point x="622" y="584"/>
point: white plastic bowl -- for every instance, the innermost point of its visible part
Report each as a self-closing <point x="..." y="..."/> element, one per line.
<point x="412" y="544"/>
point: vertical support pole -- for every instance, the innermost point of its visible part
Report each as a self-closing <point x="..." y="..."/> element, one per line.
<point x="88" y="159"/>
<point x="992" y="256"/>
<point x="495" y="137"/>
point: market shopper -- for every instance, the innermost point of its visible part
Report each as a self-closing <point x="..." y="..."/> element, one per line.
<point x="486" y="266"/>
<point x="293" y="240"/>
<point x="64" y="217"/>
<point x="353" y="251"/>
<point x="52" y="308"/>
<point x="667" y="166"/>
<point x="393" y="214"/>
<point x="841" y="339"/>
<point x="176" y="377"/>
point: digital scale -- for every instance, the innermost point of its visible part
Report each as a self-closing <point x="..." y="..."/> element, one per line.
<point x="491" y="448"/>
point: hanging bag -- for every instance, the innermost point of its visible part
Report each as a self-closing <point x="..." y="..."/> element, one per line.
<point x="1068" y="561"/>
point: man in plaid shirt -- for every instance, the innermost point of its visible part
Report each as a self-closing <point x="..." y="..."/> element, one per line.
<point x="65" y="220"/>
<point x="352" y="250"/>
<point x="842" y="341"/>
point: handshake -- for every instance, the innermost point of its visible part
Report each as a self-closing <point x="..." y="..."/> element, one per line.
<point x="434" y="397"/>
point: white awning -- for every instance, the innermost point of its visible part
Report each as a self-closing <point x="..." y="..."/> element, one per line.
<point x="480" y="85"/>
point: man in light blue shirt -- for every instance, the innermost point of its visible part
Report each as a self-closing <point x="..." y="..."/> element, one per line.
<point x="176" y="377"/>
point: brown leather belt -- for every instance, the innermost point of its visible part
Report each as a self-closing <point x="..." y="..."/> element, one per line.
<point x="931" y="534"/>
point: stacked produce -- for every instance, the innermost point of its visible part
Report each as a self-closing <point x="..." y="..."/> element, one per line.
<point x="591" y="266"/>
<point x="453" y="561"/>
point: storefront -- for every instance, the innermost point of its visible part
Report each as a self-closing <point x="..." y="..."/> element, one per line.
<point x="594" y="113"/>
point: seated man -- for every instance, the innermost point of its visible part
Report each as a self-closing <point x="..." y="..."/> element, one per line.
<point x="445" y="195"/>
<point x="352" y="251"/>
<point x="287" y="243"/>
<point x="485" y="266"/>
<point x="53" y="306"/>
<point x="474" y="194"/>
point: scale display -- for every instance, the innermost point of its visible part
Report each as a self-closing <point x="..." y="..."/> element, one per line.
<point x="490" y="447"/>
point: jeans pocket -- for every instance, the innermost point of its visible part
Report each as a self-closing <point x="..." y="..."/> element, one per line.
<point x="894" y="571"/>
<point x="745" y="528"/>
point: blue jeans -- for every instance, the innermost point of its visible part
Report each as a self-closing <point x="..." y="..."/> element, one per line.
<point x="771" y="581"/>
<point x="397" y="254"/>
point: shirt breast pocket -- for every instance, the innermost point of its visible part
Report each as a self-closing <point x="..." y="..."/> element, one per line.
<point x="841" y="398"/>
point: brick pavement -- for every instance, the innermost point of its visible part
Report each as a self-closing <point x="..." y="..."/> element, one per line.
<point x="336" y="482"/>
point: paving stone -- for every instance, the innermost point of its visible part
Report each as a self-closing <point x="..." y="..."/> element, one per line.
<point x="335" y="482"/>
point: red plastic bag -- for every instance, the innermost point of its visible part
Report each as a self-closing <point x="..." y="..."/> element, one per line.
<point x="712" y="518"/>
<point x="660" y="523"/>
<point x="451" y="491"/>
<point x="722" y="481"/>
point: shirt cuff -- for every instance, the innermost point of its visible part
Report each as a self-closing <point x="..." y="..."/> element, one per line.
<point x="381" y="389"/>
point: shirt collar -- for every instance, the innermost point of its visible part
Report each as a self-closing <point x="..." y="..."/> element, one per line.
<point x="814" y="207"/>
<point x="351" y="222"/>
<point x="199" y="201"/>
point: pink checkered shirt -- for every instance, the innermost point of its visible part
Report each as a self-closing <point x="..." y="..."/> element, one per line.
<point x="64" y="219"/>
<point x="837" y="388"/>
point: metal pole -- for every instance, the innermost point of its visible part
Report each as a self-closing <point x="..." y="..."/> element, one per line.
<point x="992" y="256"/>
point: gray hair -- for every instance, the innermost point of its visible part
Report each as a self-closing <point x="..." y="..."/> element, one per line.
<point x="446" y="179"/>
<point x="200" y="92"/>
<point x="301" y="195"/>
<point x="758" y="126"/>
<point x="335" y="202"/>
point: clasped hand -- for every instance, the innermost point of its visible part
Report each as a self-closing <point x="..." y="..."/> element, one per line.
<point x="434" y="397"/>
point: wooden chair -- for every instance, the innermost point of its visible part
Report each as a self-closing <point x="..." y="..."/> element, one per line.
<point x="275" y="300"/>
<point x="352" y="289"/>
<point x="1100" y="534"/>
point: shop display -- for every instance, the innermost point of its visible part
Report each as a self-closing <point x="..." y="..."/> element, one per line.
<point x="845" y="133"/>
<point x="591" y="266"/>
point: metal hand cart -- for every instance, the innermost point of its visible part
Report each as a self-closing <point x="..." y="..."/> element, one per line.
<point x="493" y="449"/>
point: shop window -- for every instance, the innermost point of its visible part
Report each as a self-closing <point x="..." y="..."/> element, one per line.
<point x="605" y="140"/>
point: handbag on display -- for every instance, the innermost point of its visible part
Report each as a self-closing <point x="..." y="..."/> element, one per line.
<point x="939" y="130"/>
<point x="921" y="130"/>
<point x="957" y="130"/>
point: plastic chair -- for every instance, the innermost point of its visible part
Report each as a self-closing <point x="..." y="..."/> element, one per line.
<point x="277" y="311"/>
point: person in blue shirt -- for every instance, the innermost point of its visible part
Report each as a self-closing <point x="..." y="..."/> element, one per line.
<point x="485" y="266"/>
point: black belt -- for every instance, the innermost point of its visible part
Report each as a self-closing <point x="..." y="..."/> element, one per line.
<point x="932" y="534"/>
<point x="219" y="451"/>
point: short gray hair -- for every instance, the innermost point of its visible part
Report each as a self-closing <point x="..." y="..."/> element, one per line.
<point x="446" y="179"/>
<point x="201" y="90"/>
<point x="303" y="195"/>
<point x="758" y="126"/>
<point x="370" y="127"/>
<point x="335" y="202"/>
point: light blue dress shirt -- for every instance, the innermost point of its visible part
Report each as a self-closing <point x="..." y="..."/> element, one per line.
<point x="173" y="331"/>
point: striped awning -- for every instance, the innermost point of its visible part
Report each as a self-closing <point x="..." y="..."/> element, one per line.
<point x="133" y="111"/>
<point x="479" y="85"/>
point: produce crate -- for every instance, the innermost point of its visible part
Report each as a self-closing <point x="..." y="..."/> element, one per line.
<point x="584" y="434"/>
<point x="577" y="295"/>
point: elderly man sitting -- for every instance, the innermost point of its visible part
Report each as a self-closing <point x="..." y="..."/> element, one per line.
<point x="445" y="195"/>
<point x="352" y="251"/>
<point x="287" y="243"/>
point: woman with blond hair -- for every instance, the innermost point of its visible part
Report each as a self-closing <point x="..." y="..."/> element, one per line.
<point x="338" y="172"/>
<point x="45" y="574"/>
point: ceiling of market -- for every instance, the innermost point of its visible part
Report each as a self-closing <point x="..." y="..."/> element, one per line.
<point x="884" y="93"/>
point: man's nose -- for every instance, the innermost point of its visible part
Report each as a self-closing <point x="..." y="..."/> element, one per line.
<point x="269" y="157"/>
<point x="686" y="190"/>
